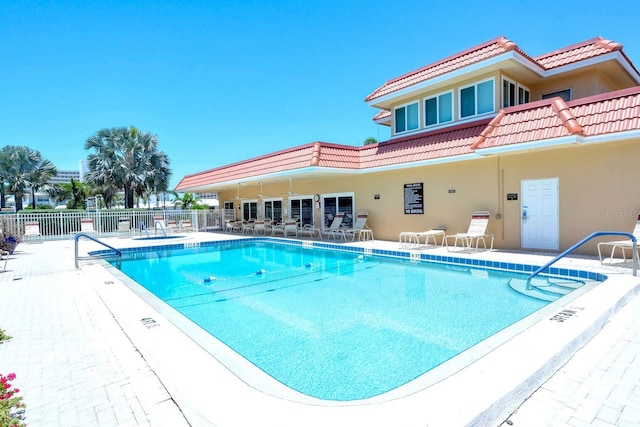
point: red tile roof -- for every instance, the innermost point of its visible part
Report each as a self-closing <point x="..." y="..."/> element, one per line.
<point x="470" y="56"/>
<point x="608" y="113"/>
<point x="571" y="54"/>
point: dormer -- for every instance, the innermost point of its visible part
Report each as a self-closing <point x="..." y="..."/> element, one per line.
<point x="476" y="83"/>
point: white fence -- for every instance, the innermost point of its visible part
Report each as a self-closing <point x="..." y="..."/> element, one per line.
<point x="65" y="224"/>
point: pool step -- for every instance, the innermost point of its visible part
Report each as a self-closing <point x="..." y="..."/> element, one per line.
<point x="545" y="289"/>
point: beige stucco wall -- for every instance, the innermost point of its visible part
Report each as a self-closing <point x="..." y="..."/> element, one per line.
<point x="598" y="190"/>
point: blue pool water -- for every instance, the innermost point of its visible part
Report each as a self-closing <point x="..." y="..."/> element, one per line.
<point x="329" y="324"/>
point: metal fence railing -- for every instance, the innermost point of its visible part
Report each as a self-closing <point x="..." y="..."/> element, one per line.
<point x="65" y="224"/>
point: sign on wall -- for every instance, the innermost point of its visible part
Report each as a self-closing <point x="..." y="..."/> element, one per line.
<point x="413" y="200"/>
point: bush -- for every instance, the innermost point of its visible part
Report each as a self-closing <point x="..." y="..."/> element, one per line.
<point x="11" y="406"/>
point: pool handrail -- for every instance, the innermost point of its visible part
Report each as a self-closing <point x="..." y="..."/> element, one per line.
<point x="582" y="242"/>
<point x="76" y="239"/>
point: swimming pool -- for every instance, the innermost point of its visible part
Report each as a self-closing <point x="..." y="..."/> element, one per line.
<point x="334" y="325"/>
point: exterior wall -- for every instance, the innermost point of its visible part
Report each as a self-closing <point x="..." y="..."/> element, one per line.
<point x="582" y="84"/>
<point x="597" y="191"/>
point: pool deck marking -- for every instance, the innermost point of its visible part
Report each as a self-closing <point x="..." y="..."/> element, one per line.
<point x="205" y="397"/>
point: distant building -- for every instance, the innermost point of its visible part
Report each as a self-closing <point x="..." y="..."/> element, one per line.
<point x="65" y="177"/>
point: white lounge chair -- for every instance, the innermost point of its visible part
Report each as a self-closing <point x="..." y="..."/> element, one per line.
<point x="86" y="226"/>
<point x="477" y="232"/>
<point x="308" y="230"/>
<point x="259" y="227"/>
<point x="358" y="227"/>
<point x="334" y="228"/>
<point x="622" y="244"/>
<point x="124" y="227"/>
<point x="32" y="232"/>
<point x="409" y="238"/>
<point x="172" y="226"/>
<point x="290" y="226"/>
<point x="186" y="226"/>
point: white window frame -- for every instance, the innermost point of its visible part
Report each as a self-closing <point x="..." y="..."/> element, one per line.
<point x="437" y="97"/>
<point x="517" y="87"/>
<point x="406" y="127"/>
<point x="475" y="86"/>
<point x="337" y="196"/>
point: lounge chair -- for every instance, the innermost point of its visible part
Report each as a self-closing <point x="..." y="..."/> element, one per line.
<point x="186" y="226"/>
<point x="86" y="226"/>
<point x="259" y="227"/>
<point x="290" y="226"/>
<point x="308" y="230"/>
<point x="622" y="244"/>
<point x="124" y="227"/>
<point x="32" y="231"/>
<point x="409" y="238"/>
<point x="334" y="228"/>
<point x="358" y="227"/>
<point x="477" y="232"/>
<point x="172" y="226"/>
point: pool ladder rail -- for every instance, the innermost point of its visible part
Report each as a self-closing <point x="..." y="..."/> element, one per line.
<point x="550" y="289"/>
<point x="87" y="236"/>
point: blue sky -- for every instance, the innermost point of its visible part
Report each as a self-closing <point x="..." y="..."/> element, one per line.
<point x="223" y="81"/>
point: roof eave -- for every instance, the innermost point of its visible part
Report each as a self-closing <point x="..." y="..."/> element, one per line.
<point x="611" y="56"/>
<point x="506" y="56"/>
<point x="531" y="145"/>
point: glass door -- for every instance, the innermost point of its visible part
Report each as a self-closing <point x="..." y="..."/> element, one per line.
<point x="334" y="203"/>
<point x="302" y="210"/>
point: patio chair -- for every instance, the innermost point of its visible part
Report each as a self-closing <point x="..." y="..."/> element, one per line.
<point x="290" y="226"/>
<point x="334" y="228"/>
<point x="124" y="227"/>
<point x="622" y="244"/>
<point x="477" y="232"/>
<point x="408" y="238"/>
<point x="32" y="232"/>
<point x="172" y="226"/>
<point x="308" y="230"/>
<point x="358" y="227"/>
<point x="86" y="226"/>
<point x="186" y="226"/>
<point x="259" y="227"/>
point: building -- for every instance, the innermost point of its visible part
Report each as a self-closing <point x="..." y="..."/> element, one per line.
<point x="548" y="144"/>
<point x="65" y="177"/>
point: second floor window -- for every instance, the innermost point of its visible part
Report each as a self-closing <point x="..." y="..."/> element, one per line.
<point x="407" y="118"/>
<point x="438" y="109"/>
<point x="477" y="99"/>
<point x="514" y="94"/>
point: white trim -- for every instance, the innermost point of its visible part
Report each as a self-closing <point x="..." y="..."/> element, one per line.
<point x="516" y="56"/>
<point x="531" y="145"/>
<point x="461" y="72"/>
<point x="517" y="86"/>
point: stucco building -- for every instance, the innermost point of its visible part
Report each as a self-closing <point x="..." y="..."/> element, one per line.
<point x="549" y="145"/>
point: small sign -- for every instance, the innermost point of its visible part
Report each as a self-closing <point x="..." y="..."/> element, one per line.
<point x="413" y="199"/>
<point x="512" y="196"/>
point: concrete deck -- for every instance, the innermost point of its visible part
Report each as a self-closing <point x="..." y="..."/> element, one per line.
<point x="87" y="351"/>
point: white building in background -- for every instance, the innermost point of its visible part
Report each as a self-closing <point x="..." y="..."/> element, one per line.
<point x="65" y="177"/>
<point x="83" y="168"/>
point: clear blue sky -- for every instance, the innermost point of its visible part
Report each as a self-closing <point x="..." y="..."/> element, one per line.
<point x="223" y="81"/>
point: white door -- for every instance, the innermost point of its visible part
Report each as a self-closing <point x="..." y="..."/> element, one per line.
<point x="539" y="214"/>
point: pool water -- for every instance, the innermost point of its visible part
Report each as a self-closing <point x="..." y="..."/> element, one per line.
<point x="329" y="324"/>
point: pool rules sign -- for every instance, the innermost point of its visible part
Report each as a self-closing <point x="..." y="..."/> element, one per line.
<point x="413" y="200"/>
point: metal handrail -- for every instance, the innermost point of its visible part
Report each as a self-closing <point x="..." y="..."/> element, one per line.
<point x="582" y="242"/>
<point x="77" y="238"/>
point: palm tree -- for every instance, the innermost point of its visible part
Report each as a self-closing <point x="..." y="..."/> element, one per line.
<point x="127" y="159"/>
<point x="39" y="176"/>
<point x="24" y="167"/>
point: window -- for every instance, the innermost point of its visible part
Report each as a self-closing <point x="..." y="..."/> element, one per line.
<point x="438" y="109"/>
<point x="513" y="93"/>
<point x="564" y="94"/>
<point x="334" y="203"/>
<point x="273" y="210"/>
<point x="477" y="99"/>
<point x="407" y="118"/>
<point x="302" y="210"/>
<point x="249" y="210"/>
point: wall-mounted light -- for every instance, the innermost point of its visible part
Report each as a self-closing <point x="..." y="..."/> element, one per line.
<point x="452" y="190"/>
<point x="376" y="197"/>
